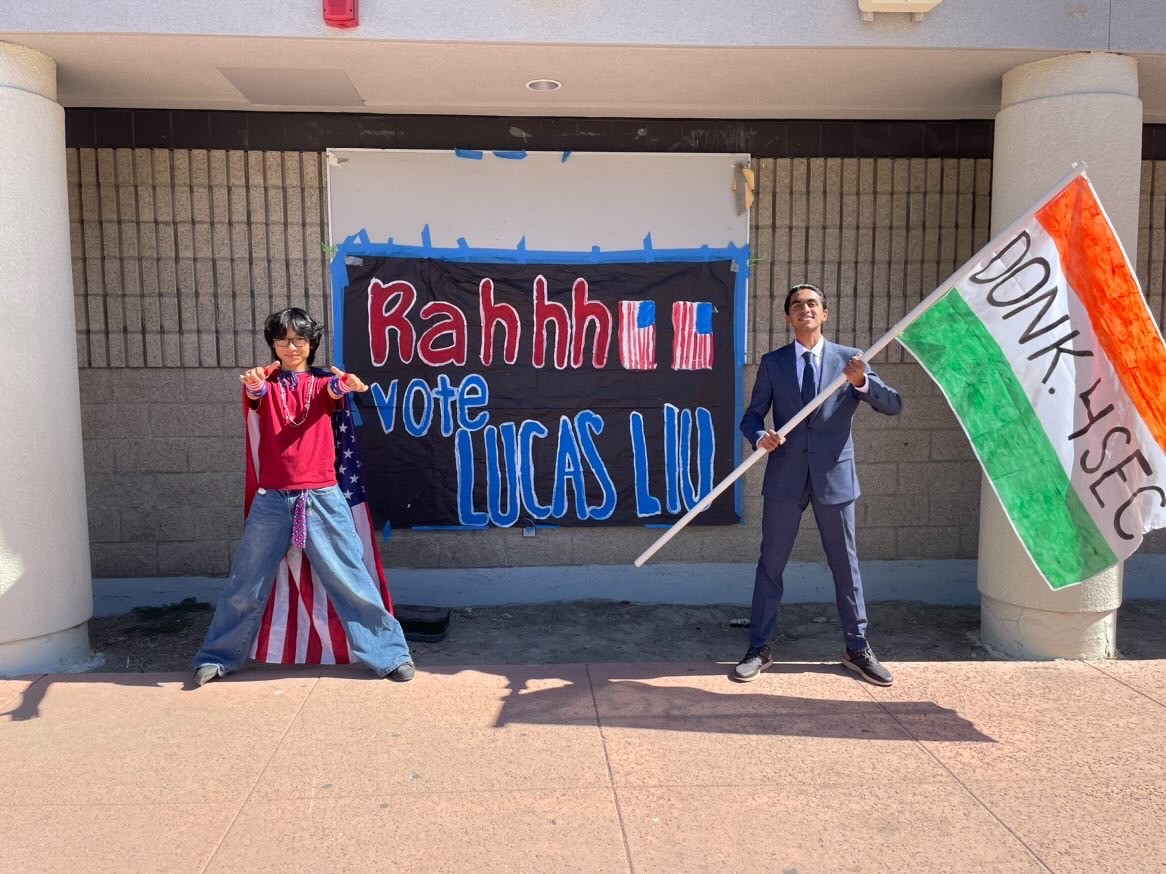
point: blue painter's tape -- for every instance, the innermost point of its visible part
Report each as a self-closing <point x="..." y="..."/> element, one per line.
<point x="740" y="302"/>
<point x="355" y="411"/>
<point x="469" y="154"/>
<point x="512" y="155"/>
<point x="387" y="531"/>
<point x="658" y="524"/>
<point x="426" y="238"/>
<point x="566" y="155"/>
<point x="338" y="272"/>
<point x="462" y="244"/>
<point x="595" y="255"/>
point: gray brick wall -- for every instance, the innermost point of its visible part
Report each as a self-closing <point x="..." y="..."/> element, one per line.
<point x="178" y="255"/>
<point x="1150" y="264"/>
<point x="876" y="234"/>
<point x="1151" y="255"/>
<point x="163" y="469"/>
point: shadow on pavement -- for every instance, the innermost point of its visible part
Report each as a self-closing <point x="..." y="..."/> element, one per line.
<point x="655" y="697"/>
<point x="643" y="696"/>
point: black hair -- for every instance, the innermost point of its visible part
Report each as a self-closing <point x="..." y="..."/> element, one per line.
<point x="293" y="319"/>
<point x="804" y="286"/>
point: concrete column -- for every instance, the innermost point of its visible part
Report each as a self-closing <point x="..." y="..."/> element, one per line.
<point x="1054" y="112"/>
<point x="46" y="594"/>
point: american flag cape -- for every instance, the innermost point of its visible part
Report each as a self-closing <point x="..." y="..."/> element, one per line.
<point x="300" y="625"/>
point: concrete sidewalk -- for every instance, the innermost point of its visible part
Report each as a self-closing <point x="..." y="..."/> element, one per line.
<point x="959" y="766"/>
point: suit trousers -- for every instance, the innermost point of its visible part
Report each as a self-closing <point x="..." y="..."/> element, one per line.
<point x="780" y="520"/>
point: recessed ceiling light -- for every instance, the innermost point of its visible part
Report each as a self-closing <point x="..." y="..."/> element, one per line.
<point x="544" y="85"/>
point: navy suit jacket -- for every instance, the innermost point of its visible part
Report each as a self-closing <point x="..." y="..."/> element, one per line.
<point x="821" y="447"/>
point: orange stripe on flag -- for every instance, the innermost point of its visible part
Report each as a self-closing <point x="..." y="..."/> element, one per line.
<point x="1094" y="263"/>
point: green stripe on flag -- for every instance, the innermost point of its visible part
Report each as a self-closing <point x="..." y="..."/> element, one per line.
<point x="962" y="356"/>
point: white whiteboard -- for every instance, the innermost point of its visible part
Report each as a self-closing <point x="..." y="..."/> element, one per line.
<point x="557" y="201"/>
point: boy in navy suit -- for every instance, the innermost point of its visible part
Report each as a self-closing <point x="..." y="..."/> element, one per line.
<point x="813" y="464"/>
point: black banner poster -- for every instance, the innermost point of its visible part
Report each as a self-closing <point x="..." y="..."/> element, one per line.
<point x="542" y="394"/>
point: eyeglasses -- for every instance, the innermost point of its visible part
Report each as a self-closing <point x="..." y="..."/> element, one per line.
<point x="298" y="342"/>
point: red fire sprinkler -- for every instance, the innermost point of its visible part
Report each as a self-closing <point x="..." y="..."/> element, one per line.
<point x="340" y="13"/>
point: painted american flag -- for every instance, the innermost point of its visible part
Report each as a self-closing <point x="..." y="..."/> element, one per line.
<point x="637" y="334"/>
<point x="692" y="335"/>
<point x="300" y="625"/>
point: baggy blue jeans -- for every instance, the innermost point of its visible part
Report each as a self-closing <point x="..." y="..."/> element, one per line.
<point x="334" y="549"/>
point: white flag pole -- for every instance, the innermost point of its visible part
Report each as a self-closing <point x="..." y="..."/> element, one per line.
<point x="1075" y="170"/>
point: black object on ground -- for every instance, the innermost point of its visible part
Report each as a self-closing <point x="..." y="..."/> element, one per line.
<point x="424" y="624"/>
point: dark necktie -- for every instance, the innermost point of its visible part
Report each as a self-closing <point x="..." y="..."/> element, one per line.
<point x="809" y="383"/>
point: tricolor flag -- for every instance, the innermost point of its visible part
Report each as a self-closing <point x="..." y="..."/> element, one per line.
<point x="300" y="625"/>
<point x="637" y="334"/>
<point x="1049" y="356"/>
<point x="692" y="335"/>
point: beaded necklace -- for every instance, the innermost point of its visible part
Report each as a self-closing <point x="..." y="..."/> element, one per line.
<point x="287" y="416"/>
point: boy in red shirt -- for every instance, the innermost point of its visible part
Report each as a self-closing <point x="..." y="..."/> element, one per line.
<point x="300" y="503"/>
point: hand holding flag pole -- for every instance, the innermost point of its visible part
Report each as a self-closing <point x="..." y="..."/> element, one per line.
<point x="1075" y="170"/>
